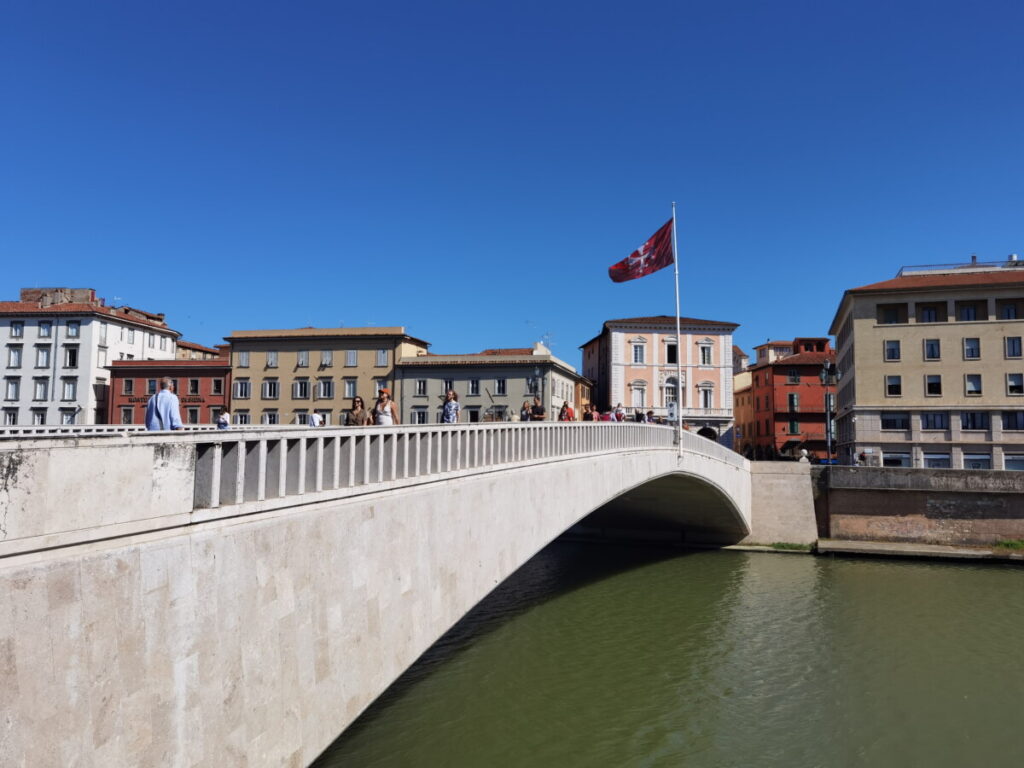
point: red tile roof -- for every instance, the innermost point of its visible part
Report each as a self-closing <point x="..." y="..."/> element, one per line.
<point x="806" y="358"/>
<point x="669" y="319"/>
<point x="122" y="314"/>
<point x="913" y="282"/>
<point x="198" y="347"/>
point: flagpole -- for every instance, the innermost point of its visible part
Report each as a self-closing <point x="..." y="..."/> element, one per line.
<point x="679" y="341"/>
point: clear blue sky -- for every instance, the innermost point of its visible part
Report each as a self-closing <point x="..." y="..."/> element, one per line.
<point x="471" y="169"/>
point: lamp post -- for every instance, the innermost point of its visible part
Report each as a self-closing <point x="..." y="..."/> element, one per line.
<point x="829" y="376"/>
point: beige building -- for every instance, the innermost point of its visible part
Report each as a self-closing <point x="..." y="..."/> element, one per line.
<point x="282" y="376"/>
<point x="931" y="368"/>
<point x="492" y="385"/>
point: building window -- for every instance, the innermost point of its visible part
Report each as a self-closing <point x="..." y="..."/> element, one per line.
<point x="937" y="461"/>
<point x="272" y="361"/>
<point x="10" y="417"/>
<point x="46" y="330"/>
<point x="69" y="389"/>
<point x="73" y="329"/>
<point x="966" y="312"/>
<point x="794" y="401"/>
<point x="671" y="354"/>
<point x="242" y="417"/>
<point x="474" y="415"/>
<point x="932" y="349"/>
<point x="449" y="385"/>
<point x="893" y="386"/>
<point x="421" y="387"/>
<point x="43" y="356"/>
<point x="38" y="417"/>
<point x="192" y="415"/>
<point x="71" y="356"/>
<point x="128" y="387"/>
<point x="706" y="397"/>
<point x="270" y="417"/>
<point x="474" y="386"/>
<point x="972" y="384"/>
<point x="163" y="345"/>
<point x="895" y="420"/>
<point x="325" y="389"/>
<point x="1013" y="462"/>
<point x="891" y="314"/>
<point x="639" y="394"/>
<point x="638" y="354"/>
<point x="217" y="387"/>
<point x="131" y="335"/>
<point x="793" y="376"/>
<point x="977" y="461"/>
<point x="892" y="349"/>
<point x="271" y="390"/>
<point x="1012" y="346"/>
<point x="151" y="340"/>
<point x="671" y="393"/>
<point x="151" y="386"/>
<point x="972" y="349"/>
<point x="1013" y="420"/>
<point x="193" y="386"/>
<point x="12" y="389"/>
<point x="17" y="329"/>
<point x="382" y="358"/>
<point x="326" y="358"/>
<point x="351" y="358"/>
<point x="500" y="387"/>
<point x="302" y="360"/>
<point x="325" y="416"/>
<point x="243" y="359"/>
<point x="14" y="356"/>
<point x="350" y="388"/>
<point x="935" y="420"/>
<point x="890" y="459"/>
<point x="40" y="389"/>
<point x="300" y="389"/>
<point x="243" y="389"/>
<point x="794" y="427"/>
<point x="419" y="415"/>
<point x="705" y="354"/>
<point x="927" y="314"/>
<point x="1015" y="383"/>
<point x="974" y="420"/>
<point x="933" y="384"/>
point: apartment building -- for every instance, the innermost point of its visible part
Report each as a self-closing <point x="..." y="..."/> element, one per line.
<point x="57" y="343"/>
<point x="281" y="376"/>
<point x="633" y="362"/>
<point x="202" y="387"/>
<point x="788" y="400"/>
<point x="931" y="365"/>
<point x="189" y="350"/>
<point x="492" y="385"/>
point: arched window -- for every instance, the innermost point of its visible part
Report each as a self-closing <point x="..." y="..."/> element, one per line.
<point x="670" y="394"/>
<point x="706" y="394"/>
<point x="638" y="393"/>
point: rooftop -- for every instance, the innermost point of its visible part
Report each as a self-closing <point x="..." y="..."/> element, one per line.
<point x="321" y="333"/>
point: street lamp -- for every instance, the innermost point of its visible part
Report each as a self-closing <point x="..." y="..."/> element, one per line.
<point x="829" y="376"/>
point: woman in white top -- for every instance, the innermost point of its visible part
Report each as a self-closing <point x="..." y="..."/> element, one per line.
<point x="385" y="412"/>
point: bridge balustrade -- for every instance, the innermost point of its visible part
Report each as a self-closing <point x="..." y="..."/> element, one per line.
<point x="264" y="469"/>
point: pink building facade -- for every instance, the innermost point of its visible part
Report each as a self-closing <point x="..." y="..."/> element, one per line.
<point x="633" y="362"/>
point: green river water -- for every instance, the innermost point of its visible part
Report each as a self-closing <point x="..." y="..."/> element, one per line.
<point x="596" y="655"/>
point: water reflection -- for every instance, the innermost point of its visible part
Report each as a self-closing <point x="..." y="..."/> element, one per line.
<point x="596" y="655"/>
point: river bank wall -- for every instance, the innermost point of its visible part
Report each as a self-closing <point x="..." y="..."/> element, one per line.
<point x="918" y="506"/>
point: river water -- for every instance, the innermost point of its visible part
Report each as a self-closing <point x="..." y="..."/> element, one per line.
<point x="596" y="655"/>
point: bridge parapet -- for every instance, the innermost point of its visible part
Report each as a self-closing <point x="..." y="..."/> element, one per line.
<point x="60" y="491"/>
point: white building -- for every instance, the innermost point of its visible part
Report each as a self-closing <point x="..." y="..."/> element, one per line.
<point x="56" y="344"/>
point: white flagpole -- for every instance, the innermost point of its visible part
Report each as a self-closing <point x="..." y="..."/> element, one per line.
<point x="679" y="341"/>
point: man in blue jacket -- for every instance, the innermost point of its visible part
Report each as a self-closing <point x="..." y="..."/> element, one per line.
<point x="163" y="410"/>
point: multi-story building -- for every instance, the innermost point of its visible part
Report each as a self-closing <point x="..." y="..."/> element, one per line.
<point x="492" y="385"/>
<point x="633" y="362"/>
<point x="932" y="371"/>
<point x="786" y="400"/>
<point x="57" y="345"/>
<point x="202" y="387"/>
<point x="282" y="376"/>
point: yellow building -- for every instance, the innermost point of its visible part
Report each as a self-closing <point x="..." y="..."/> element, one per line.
<point x="931" y="368"/>
<point x="282" y="376"/>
